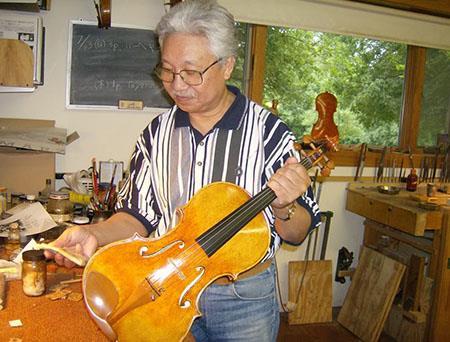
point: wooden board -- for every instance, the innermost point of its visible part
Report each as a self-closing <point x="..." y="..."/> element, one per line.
<point x="15" y="165"/>
<point x="311" y="283"/>
<point x="413" y="283"/>
<point x="16" y="68"/>
<point x="371" y="293"/>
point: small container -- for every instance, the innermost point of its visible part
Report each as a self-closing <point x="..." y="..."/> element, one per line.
<point x="59" y="206"/>
<point x="431" y="189"/>
<point x="31" y="198"/>
<point x="411" y="181"/>
<point x="14" y="233"/>
<point x="12" y="245"/>
<point x="34" y="272"/>
<point x="102" y="215"/>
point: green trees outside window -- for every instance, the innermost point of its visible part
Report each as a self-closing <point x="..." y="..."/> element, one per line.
<point x="366" y="76"/>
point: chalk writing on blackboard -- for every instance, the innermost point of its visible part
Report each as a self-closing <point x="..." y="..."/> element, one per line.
<point x="106" y="66"/>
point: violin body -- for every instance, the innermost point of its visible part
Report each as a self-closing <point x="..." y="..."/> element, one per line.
<point x="326" y="104"/>
<point x="143" y="289"/>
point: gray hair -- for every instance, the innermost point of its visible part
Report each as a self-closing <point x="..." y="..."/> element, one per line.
<point x="205" y="18"/>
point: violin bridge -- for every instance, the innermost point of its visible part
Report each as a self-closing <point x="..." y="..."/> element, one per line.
<point x="177" y="270"/>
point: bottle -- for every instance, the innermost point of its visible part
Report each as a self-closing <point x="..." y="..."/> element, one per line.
<point x="44" y="193"/>
<point x="411" y="181"/>
<point x="34" y="272"/>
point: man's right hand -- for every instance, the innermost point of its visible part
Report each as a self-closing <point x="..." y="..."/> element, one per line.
<point x="77" y="240"/>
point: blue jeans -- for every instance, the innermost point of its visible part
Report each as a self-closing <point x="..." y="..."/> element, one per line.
<point x="246" y="310"/>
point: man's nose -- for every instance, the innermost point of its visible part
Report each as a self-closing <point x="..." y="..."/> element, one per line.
<point x="178" y="82"/>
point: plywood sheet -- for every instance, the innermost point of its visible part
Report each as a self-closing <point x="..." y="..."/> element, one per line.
<point x="371" y="293"/>
<point x="310" y="287"/>
<point x="22" y="170"/>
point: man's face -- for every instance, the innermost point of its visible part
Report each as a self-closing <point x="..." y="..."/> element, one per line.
<point x="191" y="52"/>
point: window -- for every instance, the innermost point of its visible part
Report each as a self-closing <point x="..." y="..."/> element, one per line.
<point x="365" y="75"/>
<point x="435" y="108"/>
<point x="238" y="77"/>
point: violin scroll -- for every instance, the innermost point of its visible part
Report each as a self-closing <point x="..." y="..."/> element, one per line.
<point x="315" y="152"/>
<point x="103" y="8"/>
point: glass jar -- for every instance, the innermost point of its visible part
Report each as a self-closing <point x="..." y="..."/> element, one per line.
<point x="14" y="233"/>
<point x="59" y="206"/>
<point x="34" y="272"/>
<point x="12" y="245"/>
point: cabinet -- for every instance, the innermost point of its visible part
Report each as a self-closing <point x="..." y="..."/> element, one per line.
<point x="397" y="219"/>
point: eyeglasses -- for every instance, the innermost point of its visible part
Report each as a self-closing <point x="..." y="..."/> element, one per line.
<point x="191" y="77"/>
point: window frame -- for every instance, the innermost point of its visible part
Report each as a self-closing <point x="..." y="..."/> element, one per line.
<point x="348" y="155"/>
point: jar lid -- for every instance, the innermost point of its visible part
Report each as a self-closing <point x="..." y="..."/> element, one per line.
<point x="80" y="220"/>
<point x="33" y="255"/>
<point x="31" y="197"/>
<point x="59" y="195"/>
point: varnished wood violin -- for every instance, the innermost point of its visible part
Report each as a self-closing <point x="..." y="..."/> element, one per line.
<point x="143" y="289"/>
<point x="103" y="8"/>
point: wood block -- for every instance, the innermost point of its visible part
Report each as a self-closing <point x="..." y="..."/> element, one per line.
<point x="403" y="329"/>
<point x="413" y="283"/>
<point x="371" y="294"/>
<point x="310" y="287"/>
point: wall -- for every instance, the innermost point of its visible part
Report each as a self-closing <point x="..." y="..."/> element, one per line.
<point x="111" y="134"/>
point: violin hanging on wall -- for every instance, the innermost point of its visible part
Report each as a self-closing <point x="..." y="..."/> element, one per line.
<point x="103" y="8"/>
<point x="143" y="289"/>
<point x="326" y="104"/>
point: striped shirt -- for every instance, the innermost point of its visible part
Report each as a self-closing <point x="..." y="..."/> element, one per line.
<point x="172" y="161"/>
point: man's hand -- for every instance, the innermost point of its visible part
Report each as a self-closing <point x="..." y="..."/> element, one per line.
<point x="289" y="183"/>
<point x="77" y="240"/>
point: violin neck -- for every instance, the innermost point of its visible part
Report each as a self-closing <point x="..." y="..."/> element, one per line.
<point x="215" y="237"/>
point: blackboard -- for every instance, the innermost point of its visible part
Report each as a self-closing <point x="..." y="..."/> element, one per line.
<point x="108" y="65"/>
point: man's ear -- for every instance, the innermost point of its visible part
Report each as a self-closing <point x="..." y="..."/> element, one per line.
<point x="228" y="67"/>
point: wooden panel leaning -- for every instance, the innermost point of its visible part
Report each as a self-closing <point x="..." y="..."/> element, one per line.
<point x="16" y="67"/>
<point x="371" y="294"/>
<point x="310" y="289"/>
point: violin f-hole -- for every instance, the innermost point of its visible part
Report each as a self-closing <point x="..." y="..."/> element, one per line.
<point x="144" y="249"/>
<point x="187" y="303"/>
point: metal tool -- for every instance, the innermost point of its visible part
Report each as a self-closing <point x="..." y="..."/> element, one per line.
<point x="400" y="176"/>
<point x="381" y="165"/>
<point x="436" y="157"/>
<point x="362" y="158"/>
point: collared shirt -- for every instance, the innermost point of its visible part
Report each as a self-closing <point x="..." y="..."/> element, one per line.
<point x="172" y="161"/>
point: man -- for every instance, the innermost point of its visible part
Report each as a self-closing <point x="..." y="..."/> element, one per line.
<point x="213" y="133"/>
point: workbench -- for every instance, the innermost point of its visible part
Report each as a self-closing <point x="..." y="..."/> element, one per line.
<point x="396" y="226"/>
<point x="44" y="319"/>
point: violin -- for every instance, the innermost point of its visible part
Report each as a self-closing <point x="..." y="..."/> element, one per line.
<point x="103" y="8"/>
<point x="326" y="104"/>
<point x="132" y="287"/>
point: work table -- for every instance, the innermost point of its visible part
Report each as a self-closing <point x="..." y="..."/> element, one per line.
<point x="398" y="227"/>
<point x="44" y="319"/>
